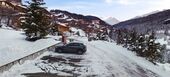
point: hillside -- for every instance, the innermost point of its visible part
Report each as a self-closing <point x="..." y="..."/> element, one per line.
<point x="154" y="21"/>
<point x="86" y="23"/>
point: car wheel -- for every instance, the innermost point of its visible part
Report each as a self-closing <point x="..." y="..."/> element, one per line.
<point x="80" y="52"/>
<point x="59" y="50"/>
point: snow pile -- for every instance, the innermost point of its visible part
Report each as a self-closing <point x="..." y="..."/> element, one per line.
<point x="162" y="41"/>
<point x="165" y="66"/>
<point x="19" y="68"/>
<point x="77" y="31"/>
<point x="4" y="26"/>
<point x="13" y="45"/>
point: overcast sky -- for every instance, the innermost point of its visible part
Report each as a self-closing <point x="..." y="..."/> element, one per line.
<point x="120" y="9"/>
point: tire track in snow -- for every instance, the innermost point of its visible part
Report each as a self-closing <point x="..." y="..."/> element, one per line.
<point x="124" y="69"/>
<point x="99" y="56"/>
<point x="139" y="71"/>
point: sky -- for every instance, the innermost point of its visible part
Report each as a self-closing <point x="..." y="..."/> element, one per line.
<point x="120" y="9"/>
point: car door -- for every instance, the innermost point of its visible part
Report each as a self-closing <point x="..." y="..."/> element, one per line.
<point x="75" y="47"/>
<point x="65" y="48"/>
<point x="69" y="47"/>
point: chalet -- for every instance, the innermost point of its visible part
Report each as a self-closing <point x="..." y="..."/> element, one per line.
<point x="62" y="28"/>
<point x="10" y="12"/>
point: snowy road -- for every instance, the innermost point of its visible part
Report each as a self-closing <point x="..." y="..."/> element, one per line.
<point x="102" y="59"/>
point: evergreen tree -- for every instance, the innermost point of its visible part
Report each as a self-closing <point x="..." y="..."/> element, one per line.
<point x="144" y="44"/>
<point x="132" y="40"/>
<point x="152" y="52"/>
<point x="125" y="38"/>
<point x="37" y="22"/>
<point x="119" y="39"/>
<point x="141" y="44"/>
<point x="164" y="54"/>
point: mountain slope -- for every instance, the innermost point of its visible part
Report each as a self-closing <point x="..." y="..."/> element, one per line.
<point x="85" y="23"/>
<point x="155" y="21"/>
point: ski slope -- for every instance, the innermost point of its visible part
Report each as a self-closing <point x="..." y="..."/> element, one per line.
<point x="102" y="59"/>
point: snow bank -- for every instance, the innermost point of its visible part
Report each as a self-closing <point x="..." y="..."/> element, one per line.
<point x="13" y="45"/>
<point x="165" y="66"/>
<point x="82" y="33"/>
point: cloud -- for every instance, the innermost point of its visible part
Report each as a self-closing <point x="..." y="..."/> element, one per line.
<point x="128" y="2"/>
<point x="154" y="5"/>
<point x="72" y="6"/>
<point x="67" y="7"/>
<point x="161" y="4"/>
<point x="109" y="1"/>
<point x="122" y="2"/>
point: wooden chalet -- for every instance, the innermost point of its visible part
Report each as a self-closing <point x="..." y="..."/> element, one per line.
<point x="62" y="28"/>
<point x="10" y="12"/>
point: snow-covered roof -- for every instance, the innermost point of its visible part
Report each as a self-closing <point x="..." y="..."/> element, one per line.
<point x="62" y="24"/>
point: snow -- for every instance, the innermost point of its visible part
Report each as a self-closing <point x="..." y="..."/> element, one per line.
<point x="123" y="54"/>
<point x="6" y="27"/>
<point x="62" y="24"/>
<point x="102" y="59"/>
<point x="165" y="66"/>
<point x="162" y="41"/>
<point x="13" y="45"/>
<point x="58" y="14"/>
<point x="160" y="31"/>
<point x="64" y="17"/>
<point x="167" y="20"/>
<point x="75" y="30"/>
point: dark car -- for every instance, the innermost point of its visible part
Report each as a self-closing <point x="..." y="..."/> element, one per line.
<point x="78" y="48"/>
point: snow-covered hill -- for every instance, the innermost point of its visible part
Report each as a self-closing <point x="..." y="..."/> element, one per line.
<point x="111" y="20"/>
<point x="102" y="59"/>
<point x="157" y="20"/>
<point x="86" y="23"/>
